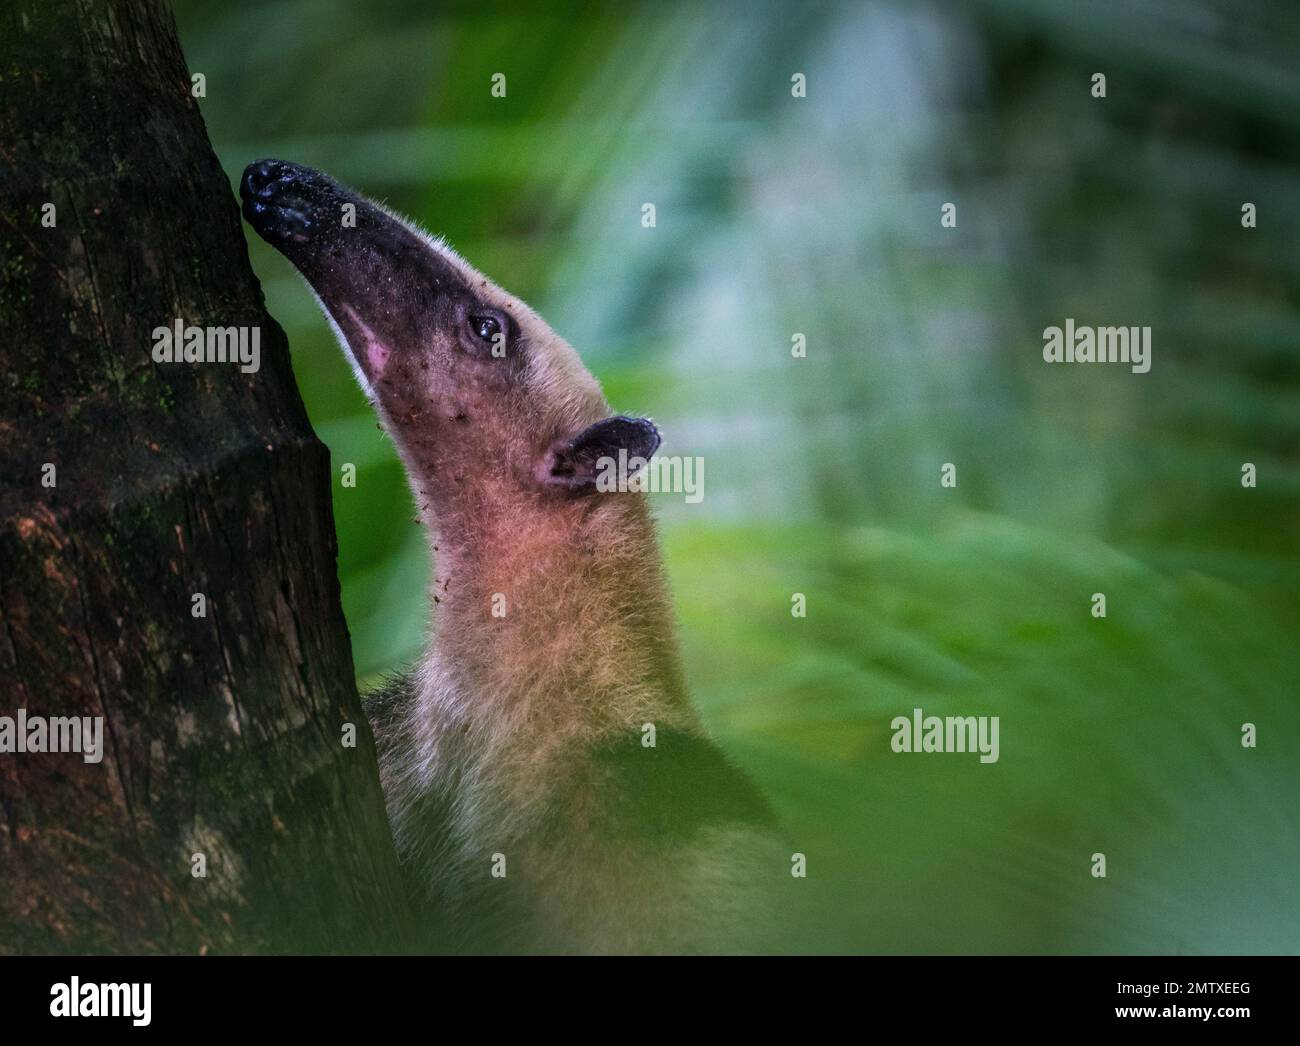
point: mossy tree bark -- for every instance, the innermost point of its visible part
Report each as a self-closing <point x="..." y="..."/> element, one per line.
<point x="223" y="734"/>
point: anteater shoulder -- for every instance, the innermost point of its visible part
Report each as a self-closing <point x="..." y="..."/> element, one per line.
<point x="386" y="705"/>
<point x="673" y="790"/>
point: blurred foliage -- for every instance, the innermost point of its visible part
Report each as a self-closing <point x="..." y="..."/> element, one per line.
<point x="821" y="215"/>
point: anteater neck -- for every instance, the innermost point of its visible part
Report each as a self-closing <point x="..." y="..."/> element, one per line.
<point x="556" y="608"/>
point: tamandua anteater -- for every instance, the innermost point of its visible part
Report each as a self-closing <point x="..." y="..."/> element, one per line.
<point x="548" y="783"/>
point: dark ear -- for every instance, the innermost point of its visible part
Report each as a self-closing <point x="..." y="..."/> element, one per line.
<point x="603" y="456"/>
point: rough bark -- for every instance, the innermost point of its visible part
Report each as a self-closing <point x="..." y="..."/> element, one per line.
<point x="224" y="733"/>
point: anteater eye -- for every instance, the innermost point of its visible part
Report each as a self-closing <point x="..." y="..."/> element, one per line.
<point x="485" y="326"/>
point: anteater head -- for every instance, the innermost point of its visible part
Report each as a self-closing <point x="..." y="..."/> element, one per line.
<point x="483" y="399"/>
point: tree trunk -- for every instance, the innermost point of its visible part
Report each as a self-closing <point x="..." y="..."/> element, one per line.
<point x="224" y="734"/>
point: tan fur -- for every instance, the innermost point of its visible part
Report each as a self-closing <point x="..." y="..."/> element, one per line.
<point x="588" y="611"/>
<point x="520" y="734"/>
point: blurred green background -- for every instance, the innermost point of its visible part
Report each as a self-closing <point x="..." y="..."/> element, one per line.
<point x="820" y="215"/>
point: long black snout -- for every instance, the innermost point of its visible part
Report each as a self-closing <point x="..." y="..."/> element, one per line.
<point x="379" y="280"/>
<point x="289" y="202"/>
<point x="263" y="176"/>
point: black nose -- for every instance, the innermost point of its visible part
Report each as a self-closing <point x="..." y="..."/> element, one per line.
<point x="263" y="177"/>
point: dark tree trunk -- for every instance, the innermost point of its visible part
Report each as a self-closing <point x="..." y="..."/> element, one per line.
<point x="223" y="734"/>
